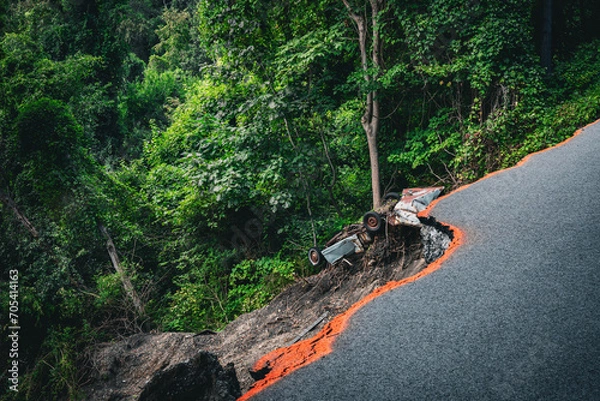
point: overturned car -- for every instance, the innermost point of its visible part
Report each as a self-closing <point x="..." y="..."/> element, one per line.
<point x="396" y="210"/>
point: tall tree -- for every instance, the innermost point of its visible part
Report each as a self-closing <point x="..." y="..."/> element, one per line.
<point x="371" y="118"/>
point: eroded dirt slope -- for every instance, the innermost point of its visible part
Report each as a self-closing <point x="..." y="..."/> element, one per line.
<point x="122" y="369"/>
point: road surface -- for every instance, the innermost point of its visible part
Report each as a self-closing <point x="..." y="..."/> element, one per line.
<point x="513" y="314"/>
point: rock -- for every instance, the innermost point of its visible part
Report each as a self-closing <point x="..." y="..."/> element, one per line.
<point x="200" y="379"/>
<point x="162" y="367"/>
<point x="260" y="373"/>
<point x="435" y="239"/>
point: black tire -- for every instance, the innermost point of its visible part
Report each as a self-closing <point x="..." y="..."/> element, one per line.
<point x="391" y="196"/>
<point x="372" y="222"/>
<point x="315" y="257"/>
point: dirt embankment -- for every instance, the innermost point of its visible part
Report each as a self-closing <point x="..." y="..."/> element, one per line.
<point x="125" y="369"/>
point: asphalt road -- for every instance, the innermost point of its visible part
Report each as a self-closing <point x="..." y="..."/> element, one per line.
<point x="513" y="314"/>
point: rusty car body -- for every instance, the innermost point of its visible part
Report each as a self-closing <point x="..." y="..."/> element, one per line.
<point x="396" y="210"/>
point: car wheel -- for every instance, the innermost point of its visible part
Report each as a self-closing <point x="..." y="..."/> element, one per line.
<point x="372" y="222"/>
<point x="315" y="257"/>
<point x="391" y="196"/>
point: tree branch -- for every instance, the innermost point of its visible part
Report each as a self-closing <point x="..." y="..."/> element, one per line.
<point x="127" y="285"/>
<point x="10" y="203"/>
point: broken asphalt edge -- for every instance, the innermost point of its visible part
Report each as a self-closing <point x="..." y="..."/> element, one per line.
<point x="286" y="360"/>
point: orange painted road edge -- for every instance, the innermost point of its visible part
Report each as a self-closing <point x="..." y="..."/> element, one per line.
<point x="284" y="361"/>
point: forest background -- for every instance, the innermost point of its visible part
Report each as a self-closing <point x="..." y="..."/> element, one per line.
<point x="165" y="165"/>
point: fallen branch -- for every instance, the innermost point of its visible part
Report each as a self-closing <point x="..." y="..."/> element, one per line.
<point x="309" y="328"/>
<point x="10" y="203"/>
<point x="127" y="285"/>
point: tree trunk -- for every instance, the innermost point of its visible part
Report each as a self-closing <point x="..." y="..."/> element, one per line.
<point x="546" y="50"/>
<point x="370" y="119"/>
<point x="127" y="285"/>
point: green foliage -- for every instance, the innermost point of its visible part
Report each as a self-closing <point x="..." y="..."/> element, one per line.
<point x="109" y="288"/>
<point x="47" y="132"/>
<point x="580" y="73"/>
<point x="200" y="299"/>
<point x="28" y="75"/>
<point x="253" y="283"/>
<point x="431" y="145"/>
<point x="209" y="295"/>
<point x="58" y="374"/>
<point x="461" y="151"/>
<point x="49" y="142"/>
<point x="147" y="105"/>
<point x="179" y="42"/>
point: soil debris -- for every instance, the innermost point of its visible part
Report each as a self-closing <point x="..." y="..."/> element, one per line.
<point x="124" y="369"/>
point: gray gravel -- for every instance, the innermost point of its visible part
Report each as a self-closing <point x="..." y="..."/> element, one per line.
<point x="514" y="314"/>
